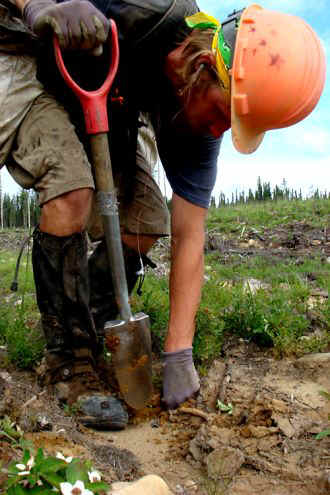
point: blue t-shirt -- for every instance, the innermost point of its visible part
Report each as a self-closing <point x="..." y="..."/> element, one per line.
<point x="190" y="163"/>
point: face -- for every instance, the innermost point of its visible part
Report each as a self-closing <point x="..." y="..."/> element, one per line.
<point x="207" y="112"/>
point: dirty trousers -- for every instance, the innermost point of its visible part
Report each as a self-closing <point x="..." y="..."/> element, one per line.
<point x="41" y="150"/>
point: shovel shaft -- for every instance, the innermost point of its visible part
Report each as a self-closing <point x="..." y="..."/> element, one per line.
<point x="94" y="105"/>
<point x="128" y="339"/>
<point x="108" y="208"/>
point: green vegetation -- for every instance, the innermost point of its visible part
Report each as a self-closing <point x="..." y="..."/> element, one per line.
<point x="262" y="296"/>
<point x="38" y="474"/>
<point x="19" y="210"/>
<point x="19" y="314"/>
<point x="265" y="215"/>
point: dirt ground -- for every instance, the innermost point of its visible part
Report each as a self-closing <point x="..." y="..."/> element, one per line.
<point x="262" y="443"/>
<point x="266" y="445"/>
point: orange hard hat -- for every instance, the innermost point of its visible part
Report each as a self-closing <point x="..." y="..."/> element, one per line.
<point x="277" y="76"/>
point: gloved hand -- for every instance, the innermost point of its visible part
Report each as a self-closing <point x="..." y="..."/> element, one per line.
<point x="180" y="378"/>
<point x="77" y="23"/>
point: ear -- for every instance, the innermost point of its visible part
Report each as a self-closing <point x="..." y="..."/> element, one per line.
<point x="206" y="59"/>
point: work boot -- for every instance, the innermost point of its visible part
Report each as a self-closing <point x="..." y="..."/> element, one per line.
<point x="75" y="382"/>
<point x="60" y="269"/>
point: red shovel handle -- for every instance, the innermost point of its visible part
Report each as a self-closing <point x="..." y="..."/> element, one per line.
<point x="94" y="103"/>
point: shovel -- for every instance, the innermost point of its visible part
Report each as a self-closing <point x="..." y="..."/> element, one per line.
<point x="128" y="338"/>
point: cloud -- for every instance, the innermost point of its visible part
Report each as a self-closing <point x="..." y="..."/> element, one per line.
<point x="241" y="173"/>
<point x="298" y="154"/>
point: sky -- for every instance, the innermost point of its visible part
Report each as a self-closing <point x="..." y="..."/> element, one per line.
<point x="300" y="153"/>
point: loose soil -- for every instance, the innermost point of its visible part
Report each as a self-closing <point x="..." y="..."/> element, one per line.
<point x="264" y="443"/>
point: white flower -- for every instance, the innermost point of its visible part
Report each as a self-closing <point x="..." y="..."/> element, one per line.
<point x="77" y="489"/>
<point x="25" y="468"/>
<point x="94" y="476"/>
<point x="61" y="456"/>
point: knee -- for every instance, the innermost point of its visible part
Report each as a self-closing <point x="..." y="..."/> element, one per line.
<point x="67" y="214"/>
<point x="141" y="243"/>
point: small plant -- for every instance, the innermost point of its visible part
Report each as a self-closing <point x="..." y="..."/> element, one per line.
<point x="227" y="408"/>
<point x="45" y="475"/>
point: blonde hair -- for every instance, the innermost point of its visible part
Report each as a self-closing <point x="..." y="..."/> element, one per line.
<point x="199" y="43"/>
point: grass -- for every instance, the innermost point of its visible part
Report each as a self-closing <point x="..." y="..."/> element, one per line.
<point x="271" y="214"/>
<point x="19" y="314"/>
<point x="280" y="316"/>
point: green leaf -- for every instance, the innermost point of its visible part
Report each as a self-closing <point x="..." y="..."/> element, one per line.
<point x="76" y="471"/>
<point x="32" y="478"/>
<point x="12" y="481"/>
<point x="26" y="456"/>
<point x="53" y="479"/>
<point x="322" y="434"/>
<point x="51" y="465"/>
<point x="42" y="490"/>
<point x="18" y="490"/>
<point x="39" y="456"/>
<point x="98" y="486"/>
<point x="12" y="469"/>
<point x="224" y="407"/>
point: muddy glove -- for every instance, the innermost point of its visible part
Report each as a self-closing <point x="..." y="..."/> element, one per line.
<point x="77" y="23"/>
<point x="180" y="378"/>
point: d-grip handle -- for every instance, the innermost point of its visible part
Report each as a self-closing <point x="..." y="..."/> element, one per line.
<point x="94" y="103"/>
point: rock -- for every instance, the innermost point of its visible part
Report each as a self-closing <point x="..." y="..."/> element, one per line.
<point x="148" y="485"/>
<point x="314" y="362"/>
<point x="194" y="450"/>
<point x="261" y="431"/>
<point x="191" y="486"/>
<point x="224" y="463"/>
<point x="284" y="425"/>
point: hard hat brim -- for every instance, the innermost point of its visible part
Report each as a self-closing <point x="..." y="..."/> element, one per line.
<point x="244" y="139"/>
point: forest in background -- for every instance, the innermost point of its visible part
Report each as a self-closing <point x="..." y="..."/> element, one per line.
<point x="22" y="210"/>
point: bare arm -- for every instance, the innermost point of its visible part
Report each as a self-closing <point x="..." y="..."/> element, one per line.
<point x="187" y="269"/>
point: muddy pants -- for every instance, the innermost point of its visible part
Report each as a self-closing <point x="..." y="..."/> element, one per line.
<point x="41" y="150"/>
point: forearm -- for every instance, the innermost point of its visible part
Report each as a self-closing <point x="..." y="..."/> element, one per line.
<point x="186" y="280"/>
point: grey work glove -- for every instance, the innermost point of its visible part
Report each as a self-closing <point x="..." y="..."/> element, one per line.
<point x="180" y="378"/>
<point x="77" y="23"/>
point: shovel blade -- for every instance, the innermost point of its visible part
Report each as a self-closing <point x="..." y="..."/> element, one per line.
<point x="130" y="345"/>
